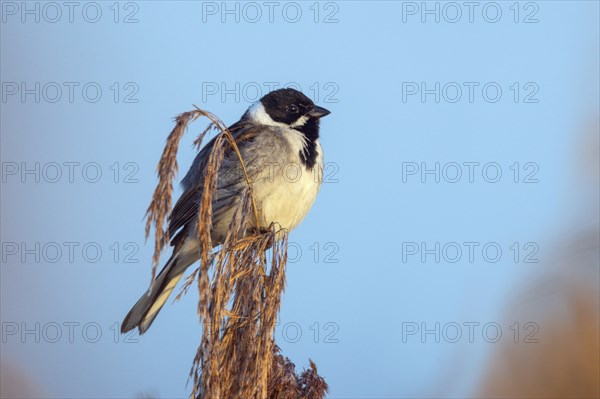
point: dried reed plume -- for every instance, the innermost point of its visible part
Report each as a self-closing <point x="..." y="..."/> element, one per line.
<point x="238" y="307"/>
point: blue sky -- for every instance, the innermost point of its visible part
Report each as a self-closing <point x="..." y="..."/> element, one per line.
<point x="355" y="287"/>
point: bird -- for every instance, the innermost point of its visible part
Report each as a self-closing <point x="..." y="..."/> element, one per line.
<point x="278" y="140"/>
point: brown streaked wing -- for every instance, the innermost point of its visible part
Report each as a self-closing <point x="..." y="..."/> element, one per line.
<point x="186" y="208"/>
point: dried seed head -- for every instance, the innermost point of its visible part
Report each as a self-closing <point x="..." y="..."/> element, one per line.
<point x="238" y="306"/>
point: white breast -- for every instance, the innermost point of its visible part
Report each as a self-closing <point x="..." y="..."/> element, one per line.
<point x="288" y="190"/>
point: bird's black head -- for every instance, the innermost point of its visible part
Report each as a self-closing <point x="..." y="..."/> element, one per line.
<point x="286" y="107"/>
<point x="292" y="109"/>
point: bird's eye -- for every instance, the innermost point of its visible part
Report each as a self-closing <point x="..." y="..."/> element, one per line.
<point x="292" y="109"/>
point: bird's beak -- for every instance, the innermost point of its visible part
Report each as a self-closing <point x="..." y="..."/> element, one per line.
<point x="319" y="112"/>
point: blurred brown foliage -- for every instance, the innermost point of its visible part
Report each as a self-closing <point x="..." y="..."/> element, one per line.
<point x="565" y="303"/>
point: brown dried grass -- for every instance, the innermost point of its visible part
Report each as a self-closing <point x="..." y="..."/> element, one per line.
<point x="238" y="307"/>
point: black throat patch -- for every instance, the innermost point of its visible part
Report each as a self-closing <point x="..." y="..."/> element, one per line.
<point x="310" y="130"/>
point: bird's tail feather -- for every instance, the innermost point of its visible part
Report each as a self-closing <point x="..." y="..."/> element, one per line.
<point x="143" y="313"/>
